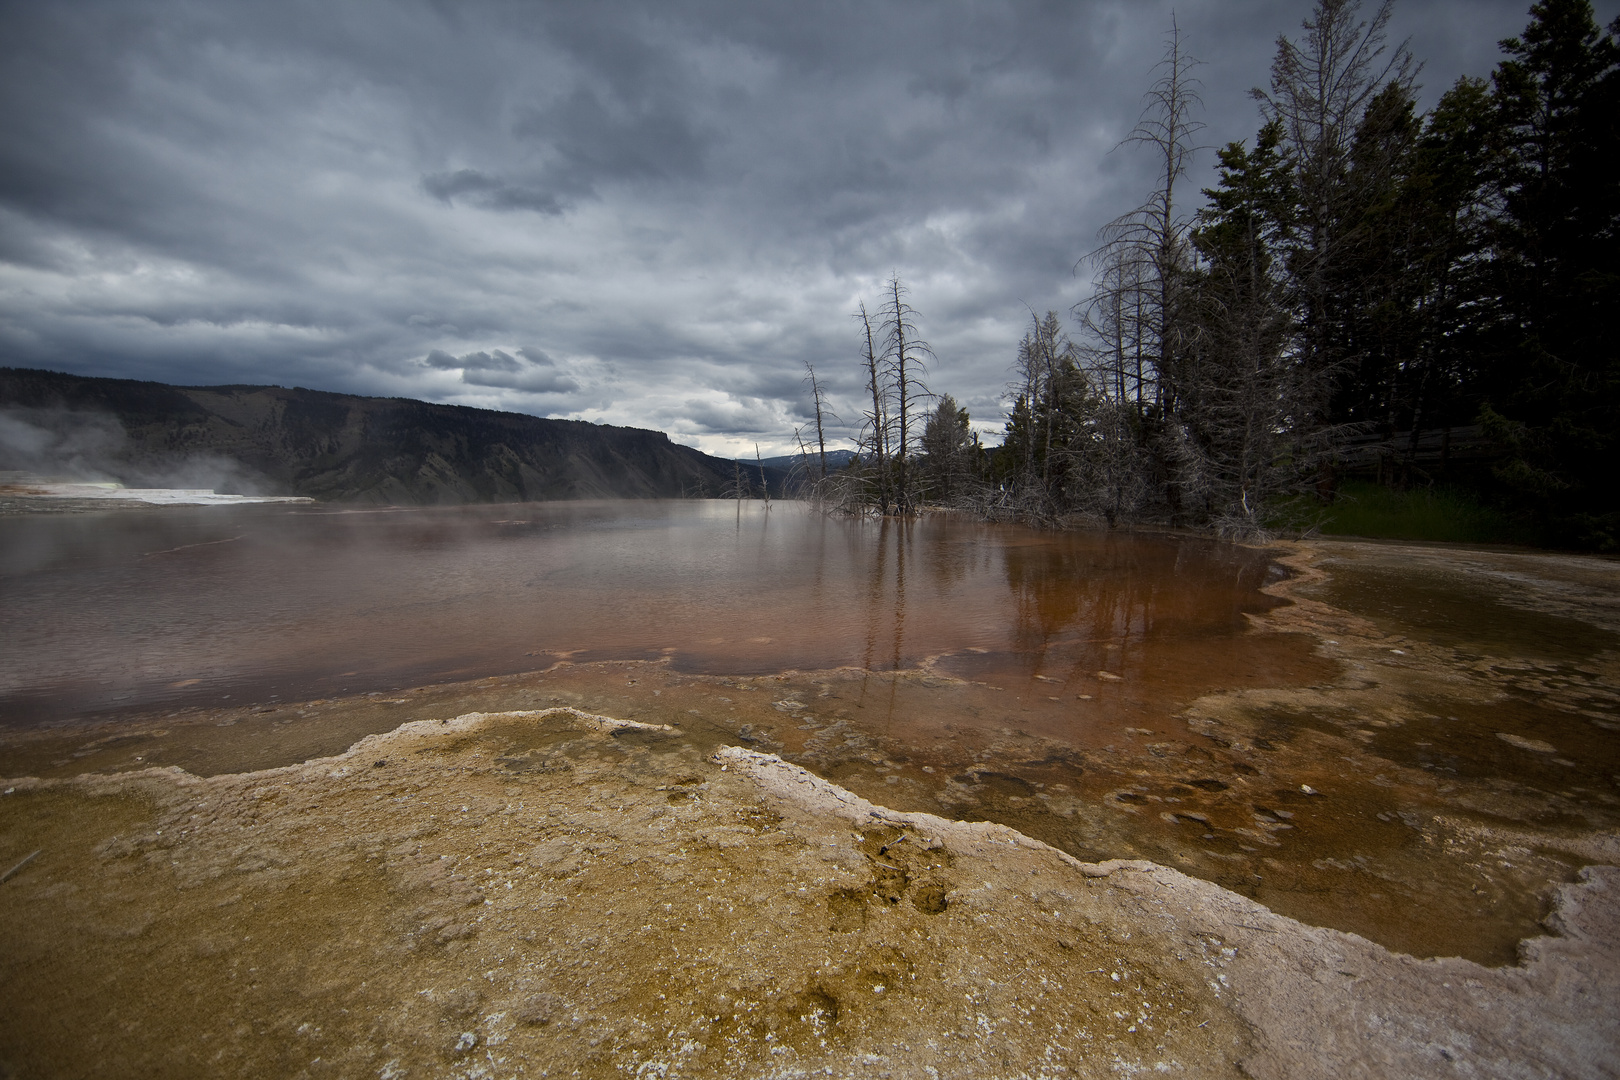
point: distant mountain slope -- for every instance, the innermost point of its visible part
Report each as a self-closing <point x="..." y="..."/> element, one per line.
<point x="836" y="459"/>
<point x="340" y="447"/>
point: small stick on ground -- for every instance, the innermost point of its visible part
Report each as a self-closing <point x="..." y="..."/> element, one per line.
<point x="26" y="859"/>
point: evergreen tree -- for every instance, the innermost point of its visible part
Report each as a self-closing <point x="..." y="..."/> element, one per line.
<point x="1554" y="380"/>
<point x="1321" y="88"/>
<point x="1243" y="379"/>
<point x="1372" y="288"/>
<point x="949" y="460"/>
<point x="1450" y="210"/>
<point x="1046" y="433"/>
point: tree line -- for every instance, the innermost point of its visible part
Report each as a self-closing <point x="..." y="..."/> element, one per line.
<point x="1367" y="290"/>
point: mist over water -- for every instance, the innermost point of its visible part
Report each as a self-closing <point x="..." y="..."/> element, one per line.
<point x="221" y="604"/>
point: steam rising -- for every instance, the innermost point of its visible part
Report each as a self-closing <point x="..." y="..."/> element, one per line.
<point x="65" y="445"/>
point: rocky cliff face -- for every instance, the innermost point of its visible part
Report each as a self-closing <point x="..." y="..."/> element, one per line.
<point x="340" y="447"/>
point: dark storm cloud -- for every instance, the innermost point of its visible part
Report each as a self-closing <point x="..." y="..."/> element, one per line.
<point x="594" y="143"/>
<point x="494" y="360"/>
<point x="645" y="213"/>
<point x="535" y="373"/>
<point x="530" y="381"/>
<point x="489" y="192"/>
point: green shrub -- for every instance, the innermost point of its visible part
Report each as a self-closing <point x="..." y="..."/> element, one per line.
<point x="1444" y="514"/>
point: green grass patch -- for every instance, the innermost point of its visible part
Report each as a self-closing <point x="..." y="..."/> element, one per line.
<point x="1443" y="514"/>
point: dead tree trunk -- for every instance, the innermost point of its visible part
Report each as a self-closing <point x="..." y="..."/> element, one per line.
<point x="903" y="351"/>
<point x="821" y="431"/>
<point x="878" y="419"/>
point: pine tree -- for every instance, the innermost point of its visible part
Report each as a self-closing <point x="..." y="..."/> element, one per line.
<point x="1046" y="433"/>
<point x="1242" y="387"/>
<point x="1554" y="387"/>
<point x="949" y="453"/>
<point x="1321" y="88"/>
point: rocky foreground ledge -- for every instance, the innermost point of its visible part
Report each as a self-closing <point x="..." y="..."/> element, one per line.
<point x="553" y="893"/>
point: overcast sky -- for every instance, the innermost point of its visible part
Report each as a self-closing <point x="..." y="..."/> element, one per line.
<point x="643" y="213"/>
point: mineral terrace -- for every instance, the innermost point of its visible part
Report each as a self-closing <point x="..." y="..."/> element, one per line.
<point x="553" y="893"/>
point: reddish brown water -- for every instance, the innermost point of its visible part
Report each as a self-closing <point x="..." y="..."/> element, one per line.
<point x="183" y="607"/>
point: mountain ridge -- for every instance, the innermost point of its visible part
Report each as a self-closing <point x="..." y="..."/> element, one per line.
<point x="335" y="447"/>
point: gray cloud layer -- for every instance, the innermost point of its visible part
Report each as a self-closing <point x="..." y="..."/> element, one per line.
<point x="648" y="213"/>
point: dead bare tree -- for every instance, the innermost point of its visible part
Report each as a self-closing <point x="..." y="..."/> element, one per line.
<point x="1144" y="253"/>
<point x="874" y="441"/>
<point x="1136" y="315"/>
<point x="1114" y="318"/>
<point x="903" y="353"/>
<point x="738" y="487"/>
<point x="764" y="485"/>
<point x="820" y="407"/>
<point x="1021" y="429"/>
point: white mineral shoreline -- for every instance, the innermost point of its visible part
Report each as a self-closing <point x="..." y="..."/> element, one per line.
<point x="118" y="493"/>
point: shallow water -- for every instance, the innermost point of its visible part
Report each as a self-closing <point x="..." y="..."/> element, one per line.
<point x="183" y="607"/>
<point x="1418" y="761"/>
<point x="1551" y="723"/>
<point x="1471" y="611"/>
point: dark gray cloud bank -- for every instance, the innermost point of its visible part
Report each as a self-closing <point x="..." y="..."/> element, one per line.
<point x="648" y="214"/>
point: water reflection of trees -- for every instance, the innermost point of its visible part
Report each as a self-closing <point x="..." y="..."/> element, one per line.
<point x="1062" y="605"/>
<point x="942" y="559"/>
<point x="1075" y="597"/>
<point x="885" y="601"/>
<point x="1095" y="604"/>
